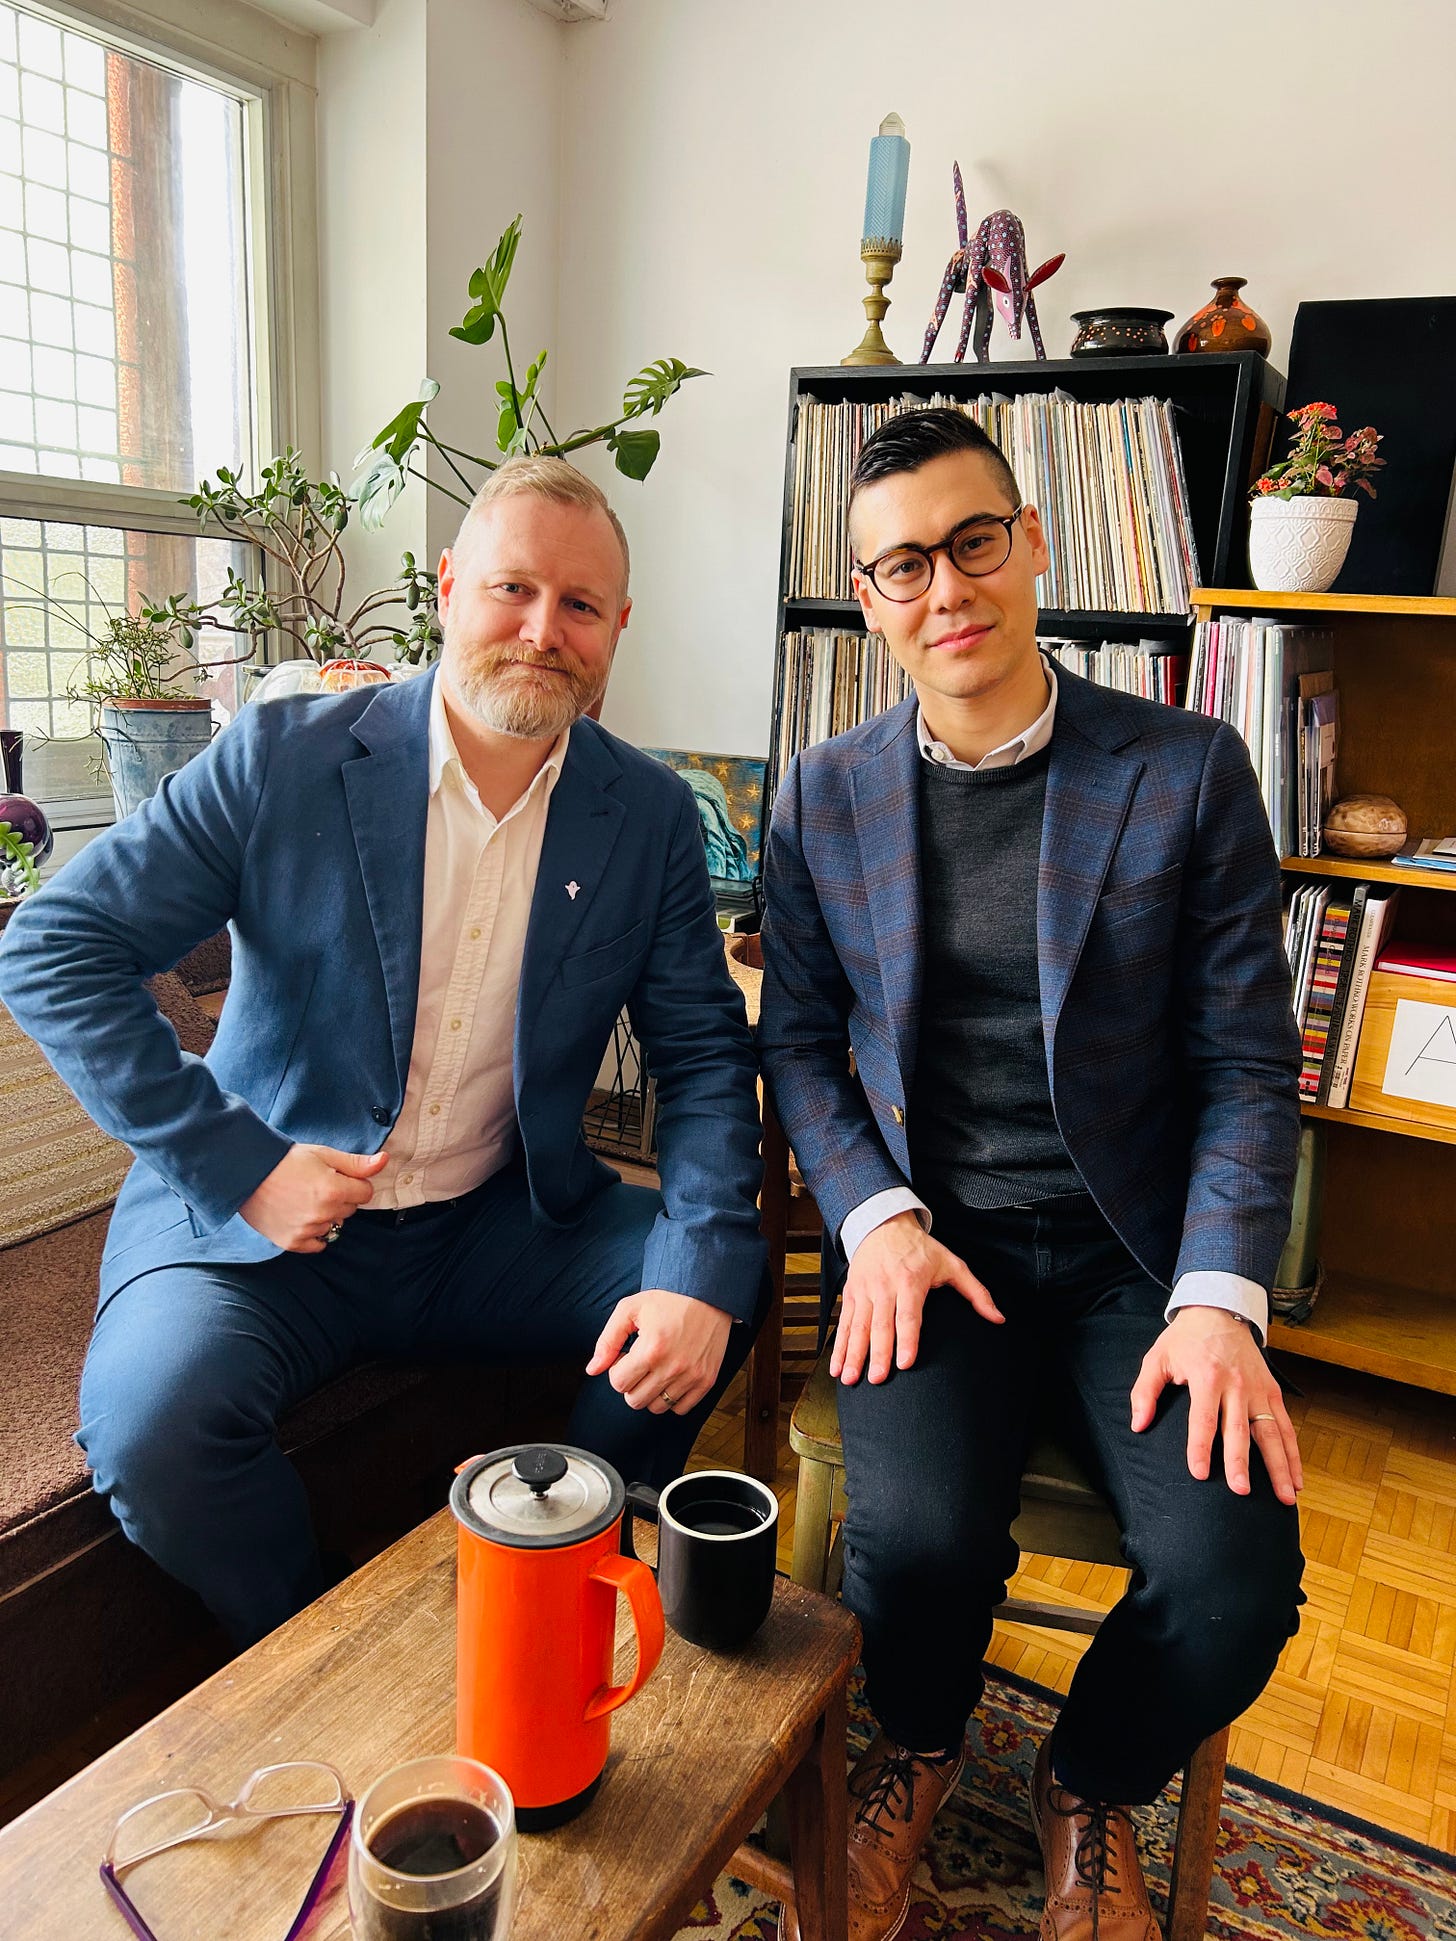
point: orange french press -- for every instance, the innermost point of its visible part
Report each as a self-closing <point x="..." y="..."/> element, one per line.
<point x="539" y="1569"/>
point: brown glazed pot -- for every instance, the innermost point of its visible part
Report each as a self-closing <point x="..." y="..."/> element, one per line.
<point x="1225" y="323"/>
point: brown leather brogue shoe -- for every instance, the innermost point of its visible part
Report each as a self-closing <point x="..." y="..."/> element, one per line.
<point x="1094" y="1886"/>
<point x="894" y="1795"/>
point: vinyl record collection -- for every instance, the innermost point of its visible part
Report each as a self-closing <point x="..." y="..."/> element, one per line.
<point x="1148" y="667"/>
<point x="1276" y="686"/>
<point x="831" y="680"/>
<point x="1106" y="478"/>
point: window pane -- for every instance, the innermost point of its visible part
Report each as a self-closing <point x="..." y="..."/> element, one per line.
<point x="59" y="583"/>
<point x="122" y="239"/>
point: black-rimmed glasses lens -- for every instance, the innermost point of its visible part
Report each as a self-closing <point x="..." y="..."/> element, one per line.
<point x="978" y="547"/>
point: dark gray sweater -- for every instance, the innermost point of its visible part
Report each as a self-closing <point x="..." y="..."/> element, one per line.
<point x="980" y="1120"/>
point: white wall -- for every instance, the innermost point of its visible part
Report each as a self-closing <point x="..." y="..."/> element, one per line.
<point x="713" y="187"/>
<point x="372" y="256"/>
<point x="493" y="151"/>
<point x="437" y="123"/>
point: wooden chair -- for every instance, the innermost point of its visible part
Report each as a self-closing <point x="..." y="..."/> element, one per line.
<point x="1062" y="1515"/>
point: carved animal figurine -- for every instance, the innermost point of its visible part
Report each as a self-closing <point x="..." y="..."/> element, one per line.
<point x="991" y="269"/>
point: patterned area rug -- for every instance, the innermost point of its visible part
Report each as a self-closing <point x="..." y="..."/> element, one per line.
<point x="1286" y="1866"/>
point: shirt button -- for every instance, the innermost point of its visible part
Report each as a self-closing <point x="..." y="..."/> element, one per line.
<point x="897" y="1113"/>
<point x="454" y="1024"/>
<point x="475" y="930"/>
<point x="379" y="1115"/>
<point x="938" y="753"/>
<point x="434" y="1111"/>
<point x="406" y="1179"/>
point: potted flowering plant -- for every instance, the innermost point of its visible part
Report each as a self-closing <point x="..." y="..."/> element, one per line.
<point x="1301" y="519"/>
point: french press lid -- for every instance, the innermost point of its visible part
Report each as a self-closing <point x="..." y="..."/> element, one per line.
<point x="538" y="1496"/>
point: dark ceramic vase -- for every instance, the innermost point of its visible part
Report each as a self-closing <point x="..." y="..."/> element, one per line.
<point x="1227" y="323"/>
<point x="1124" y="332"/>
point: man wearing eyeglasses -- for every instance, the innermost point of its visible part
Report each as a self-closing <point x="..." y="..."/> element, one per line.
<point x="1026" y="1022"/>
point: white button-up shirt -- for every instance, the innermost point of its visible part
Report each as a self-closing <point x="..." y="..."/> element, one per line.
<point x="457" y="1125"/>
<point x="1206" y="1288"/>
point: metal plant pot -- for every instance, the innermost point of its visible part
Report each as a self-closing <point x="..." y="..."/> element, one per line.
<point x="145" y="741"/>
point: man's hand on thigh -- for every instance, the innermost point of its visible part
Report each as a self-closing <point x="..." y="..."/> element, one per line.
<point x="893" y="1269"/>
<point x="676" y="1356"/>
<point x="1213" y="1354"/>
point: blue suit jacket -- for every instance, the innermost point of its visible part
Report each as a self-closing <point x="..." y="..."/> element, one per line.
<point x="1170" y="1044"/>
<point x="303" y="828"/>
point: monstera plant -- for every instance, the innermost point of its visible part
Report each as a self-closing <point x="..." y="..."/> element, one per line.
<point x="395" y="455"/>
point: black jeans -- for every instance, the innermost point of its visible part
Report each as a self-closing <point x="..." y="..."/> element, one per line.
<point x="933" y="1461"/>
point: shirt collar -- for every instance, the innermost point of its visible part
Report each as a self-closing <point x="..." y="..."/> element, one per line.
<point x="1029" y="742"/>
<point x="445" y="756"/>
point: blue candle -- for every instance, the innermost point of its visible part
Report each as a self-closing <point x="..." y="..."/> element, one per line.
<point x="884" y="216"/>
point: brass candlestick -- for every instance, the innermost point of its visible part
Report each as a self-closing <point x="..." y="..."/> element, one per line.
<point x="879" y="258"/>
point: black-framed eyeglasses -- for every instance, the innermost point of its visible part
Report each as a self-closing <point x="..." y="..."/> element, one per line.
<point x="976" y="547"/>
<point x="186" y="1813"/>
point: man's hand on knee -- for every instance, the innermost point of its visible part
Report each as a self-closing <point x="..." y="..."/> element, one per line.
<point x="1213" y="1354"/>
<point x="893" y="1269"/>
<point x="310" y="1190"/>
<point x="677" y="1354"/>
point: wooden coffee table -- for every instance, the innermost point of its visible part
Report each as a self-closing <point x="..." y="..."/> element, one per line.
<point x="366" y="1677"/>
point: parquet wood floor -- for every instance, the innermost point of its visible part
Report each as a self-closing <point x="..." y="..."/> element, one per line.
<point x="1361" y="1712"/>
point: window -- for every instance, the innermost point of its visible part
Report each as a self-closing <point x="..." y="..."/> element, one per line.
<point x="136" y="339"/>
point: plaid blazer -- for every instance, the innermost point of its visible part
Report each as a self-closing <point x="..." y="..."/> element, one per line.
<point x="1170" y="1043"/>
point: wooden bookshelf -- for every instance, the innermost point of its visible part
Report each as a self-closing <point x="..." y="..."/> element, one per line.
<point x="1388" y="1234"/>
<point x="1208" y="600"/>
<point x="1401" y="1333"/>
<point x="1371" y="870"/>
<point x="1378" y="1122"/>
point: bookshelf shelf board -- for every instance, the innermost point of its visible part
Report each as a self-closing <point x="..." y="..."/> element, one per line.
<point x="1049" y="619"/>
<point x="1443" y="1135"/>
<point x="1368" y="870"/>
<point x="1403" y="1333"/>
<point x="1243" y="599"/>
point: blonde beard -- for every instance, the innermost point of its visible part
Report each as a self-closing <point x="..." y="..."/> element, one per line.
<point x="525" y="708"/>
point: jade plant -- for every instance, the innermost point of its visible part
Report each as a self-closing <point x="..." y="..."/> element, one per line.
<point x="296" y="522"/>
<point x="397" y="453"/>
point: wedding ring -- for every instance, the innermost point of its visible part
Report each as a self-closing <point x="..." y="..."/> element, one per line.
<point x="1262" y="1418"/>
<point x="668" y="1399"/>
<point x="333" y="1233"/>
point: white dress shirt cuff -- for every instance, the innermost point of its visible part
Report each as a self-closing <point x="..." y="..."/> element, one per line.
<point x="1213" y="1288"/>
<point x="874" y="1212"/>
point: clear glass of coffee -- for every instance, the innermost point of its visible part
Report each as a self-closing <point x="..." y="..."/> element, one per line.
<point x="433" y="1854"/>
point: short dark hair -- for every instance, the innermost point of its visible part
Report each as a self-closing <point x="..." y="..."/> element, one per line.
<point x="915" y="438"/>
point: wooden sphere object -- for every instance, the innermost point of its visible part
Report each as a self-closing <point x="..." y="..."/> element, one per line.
<point x="1365" y="825"/>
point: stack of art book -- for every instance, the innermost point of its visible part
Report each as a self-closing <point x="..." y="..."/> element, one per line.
<point x="1276" y="685"/>
<point x="1106" y="478"/>
<point x="1333" y="935"/>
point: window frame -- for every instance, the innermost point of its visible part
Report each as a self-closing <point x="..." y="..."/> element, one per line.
<point x="274" y="66"/>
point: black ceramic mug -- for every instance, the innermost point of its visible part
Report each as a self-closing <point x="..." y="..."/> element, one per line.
<point x="717" y="1537"/>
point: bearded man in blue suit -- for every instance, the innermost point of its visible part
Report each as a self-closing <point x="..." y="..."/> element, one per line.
<point x="1026" y="1022"/>
<point x="441" y="894"/>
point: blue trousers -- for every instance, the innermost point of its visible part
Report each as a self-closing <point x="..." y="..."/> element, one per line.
<point x="933" y="1465"/>
<point x="190" y="1368"/>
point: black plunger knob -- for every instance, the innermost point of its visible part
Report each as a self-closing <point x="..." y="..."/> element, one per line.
<point x="540" y="1468"/>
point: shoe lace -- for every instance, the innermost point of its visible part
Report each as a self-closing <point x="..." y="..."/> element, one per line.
<point x="894" y="1775"/>
<point x="1093" y="1856"/>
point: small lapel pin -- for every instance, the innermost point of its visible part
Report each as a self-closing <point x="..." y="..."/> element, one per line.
<point x="571" y="890"/>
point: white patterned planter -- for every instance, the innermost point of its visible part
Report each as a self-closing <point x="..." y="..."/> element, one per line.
<point x="1299" y="545"/>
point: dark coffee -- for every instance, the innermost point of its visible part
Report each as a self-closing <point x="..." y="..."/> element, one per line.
<point x="720" y="1519"/>
<point x="433" y="1836"/>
